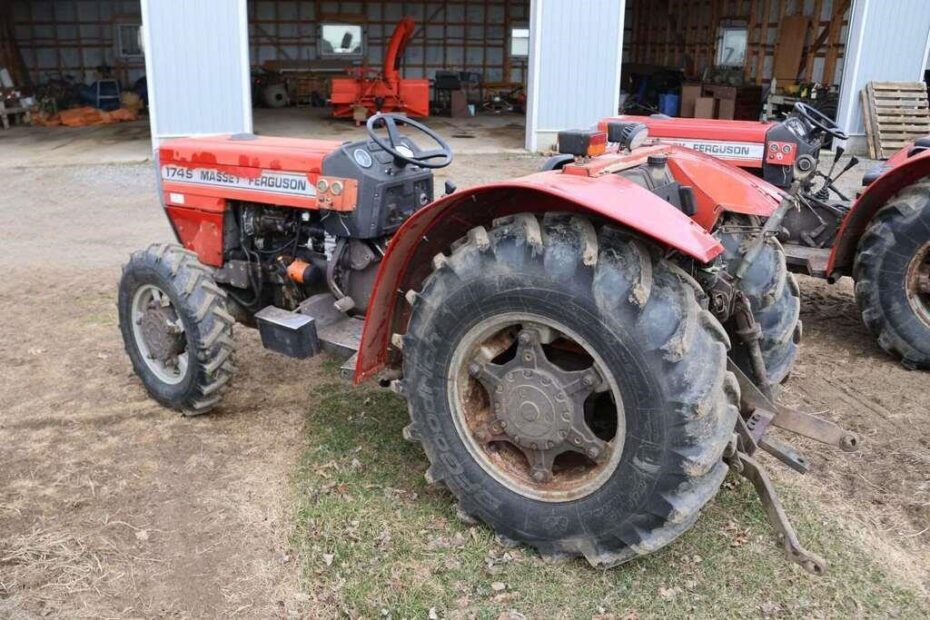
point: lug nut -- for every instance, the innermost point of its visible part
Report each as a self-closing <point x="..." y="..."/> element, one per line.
<point x="593" y="452"/>
<point x="524" y="338"/>
<point x="474" y="370"/>
<point x="588" y="380"/>
<point x="539" y="476"/>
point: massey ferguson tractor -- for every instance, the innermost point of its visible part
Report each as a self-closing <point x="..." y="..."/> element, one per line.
<point x="584" y="351"/>
<point x="881" y="238"/>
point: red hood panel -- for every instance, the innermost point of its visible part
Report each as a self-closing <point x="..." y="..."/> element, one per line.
<point x="293" y="154"/>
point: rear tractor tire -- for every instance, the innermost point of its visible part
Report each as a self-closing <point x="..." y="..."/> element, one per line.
<point x="568" y="388"/>
<point x="892" y="274"/>
<point x="176" y="328"/>
<point x="774" y="297"/>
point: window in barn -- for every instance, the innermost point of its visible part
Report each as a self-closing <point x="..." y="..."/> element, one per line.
<point x="341" y="41"/>
<point x="519" y="42"/>
<point x="731" y="44"/>
<point x="128" y="40"/>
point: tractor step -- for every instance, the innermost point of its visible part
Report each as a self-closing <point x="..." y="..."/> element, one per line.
<point x="807" y="260"/>
<point x="288" y="333"/>
<point x="341" y="339"/>
<point x="316" y="326"/>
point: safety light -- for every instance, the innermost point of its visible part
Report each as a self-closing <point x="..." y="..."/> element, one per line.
<point x="582" y="142"/>
<point x="629" y="135"/>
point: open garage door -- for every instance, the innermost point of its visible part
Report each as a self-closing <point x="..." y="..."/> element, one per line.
<point x="197" y="64"/>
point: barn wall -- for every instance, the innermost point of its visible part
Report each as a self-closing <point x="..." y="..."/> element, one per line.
<point x="575" y="67"/>
<point x="197" y="64"/>
<point x="457" y="35"/>
<point x="888" y="44"/>
<point x="74" y="37"/>
<point x="683" y="34"/>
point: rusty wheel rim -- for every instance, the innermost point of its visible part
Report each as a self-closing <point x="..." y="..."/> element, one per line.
<point x="918" y="283"/>
<point x="159" y="334"/>
<point x="536" y="407"/>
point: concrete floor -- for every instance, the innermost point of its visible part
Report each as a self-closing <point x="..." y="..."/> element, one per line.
<point x="129" y="142"/>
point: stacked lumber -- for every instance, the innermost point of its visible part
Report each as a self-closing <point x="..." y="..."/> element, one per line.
<point x="895" y="113"/>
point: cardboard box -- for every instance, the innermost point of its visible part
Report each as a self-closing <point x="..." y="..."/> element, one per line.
<point x="704" y="107"/>
<point x="726" y="109"/>
<point x="689" y="94"/>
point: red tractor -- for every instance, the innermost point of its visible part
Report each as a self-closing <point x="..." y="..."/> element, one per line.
<point x="881" y="238"/>
<point x="585" y="351"/>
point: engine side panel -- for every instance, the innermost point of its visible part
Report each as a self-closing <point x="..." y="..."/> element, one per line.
<point x="720" y="188"/>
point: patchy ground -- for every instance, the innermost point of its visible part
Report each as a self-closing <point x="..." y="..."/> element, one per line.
<point x="300" y="497"/>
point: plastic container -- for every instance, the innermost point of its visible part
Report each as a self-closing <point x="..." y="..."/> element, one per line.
<point x="668" y="104"/>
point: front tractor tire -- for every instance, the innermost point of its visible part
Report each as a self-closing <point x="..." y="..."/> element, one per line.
<point x="568" y="388"/>
<point x="892" y="274"/>
<point x="774" y="297"/>
<point x="176" y="328"/>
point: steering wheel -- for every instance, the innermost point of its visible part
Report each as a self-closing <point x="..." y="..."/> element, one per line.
<point x="402" y="152"/>
<point x="820" y="120"/>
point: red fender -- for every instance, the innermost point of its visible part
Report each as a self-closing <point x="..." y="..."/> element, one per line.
<point x="903" y="171"/>
<point x="434" y="228"/>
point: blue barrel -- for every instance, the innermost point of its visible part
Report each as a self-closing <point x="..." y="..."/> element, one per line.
<point x="668" y="104"/>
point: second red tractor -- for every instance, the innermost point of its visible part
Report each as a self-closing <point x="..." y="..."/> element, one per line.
<point x="880" y="238"/>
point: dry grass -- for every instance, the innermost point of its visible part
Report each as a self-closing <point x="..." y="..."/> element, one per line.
<point x="375" y="540"/>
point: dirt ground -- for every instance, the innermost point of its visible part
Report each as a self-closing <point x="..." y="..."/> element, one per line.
<point x="113" y="506"/>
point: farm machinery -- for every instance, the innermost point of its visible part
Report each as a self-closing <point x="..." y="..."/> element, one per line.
<point x="880" y="238"/>
<point x="367" y="91"/>
<point x="585" y="351"/>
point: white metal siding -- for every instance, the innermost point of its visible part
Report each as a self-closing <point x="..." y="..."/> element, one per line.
<point x="197" y="65"/>
<point x="887" y="43"/>
<point x="574" y="65"/>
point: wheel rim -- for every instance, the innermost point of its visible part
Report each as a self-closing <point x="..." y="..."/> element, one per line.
<point x="159" y="334"/>
<point x="536" y="407"/>
<point x="918" y="283"/>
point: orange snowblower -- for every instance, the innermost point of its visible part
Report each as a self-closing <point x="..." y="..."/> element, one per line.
<point x="384" y="91"/>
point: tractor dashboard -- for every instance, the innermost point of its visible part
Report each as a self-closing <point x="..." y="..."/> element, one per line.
<point x="387" y="194"/>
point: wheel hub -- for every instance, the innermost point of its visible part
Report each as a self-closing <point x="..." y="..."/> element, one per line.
<point x="163" y="339"/>
<point x="539" y="407"/>
<point x="533" y="409"/>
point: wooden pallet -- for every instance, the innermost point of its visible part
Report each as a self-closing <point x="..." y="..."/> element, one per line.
<point x="895" y="113"/>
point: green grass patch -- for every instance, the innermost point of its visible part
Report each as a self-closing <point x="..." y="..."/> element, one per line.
<point x="375" y="540"/>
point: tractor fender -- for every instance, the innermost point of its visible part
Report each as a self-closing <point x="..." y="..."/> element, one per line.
<point x="902" y="172"/>
<point x="434" y="228"/>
